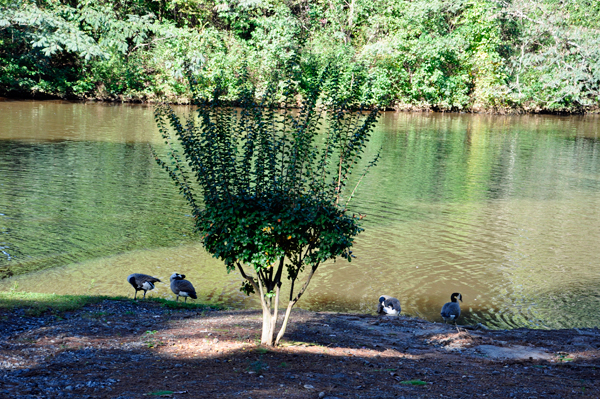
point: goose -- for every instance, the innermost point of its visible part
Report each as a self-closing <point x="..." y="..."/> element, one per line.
<point x="182" y="287"/>
<point x="451" y="310"/>
<point x="389" y="305"/>
<point x="142" y="282"/>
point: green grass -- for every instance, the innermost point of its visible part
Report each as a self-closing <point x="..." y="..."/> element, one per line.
<point x="35" y="304"/>
<point x="563" y="357"/>
<point x="413" y="382"/>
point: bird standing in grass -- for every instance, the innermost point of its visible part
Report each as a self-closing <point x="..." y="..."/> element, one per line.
<point x="451" y="310"/>
<point x="142" y="282"/>
<point x="389" y="305"/>
<point x="181" y="287"/>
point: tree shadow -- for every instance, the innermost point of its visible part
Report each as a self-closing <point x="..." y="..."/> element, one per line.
<point x="117" y="352"/>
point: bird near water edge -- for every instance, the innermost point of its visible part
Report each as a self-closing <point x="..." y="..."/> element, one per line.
<point x="182" y="287"/>
<point x="142" y="282"/>
<point x="389" y="305"/>
<point x="451" y="310"/>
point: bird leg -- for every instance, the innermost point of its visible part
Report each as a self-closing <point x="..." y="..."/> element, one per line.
<point x="456" y="325"/>
<point x="185" y="299"/>
<point x="145" y="294"/>
<point x="177" y="300"/>
<point x="135" y="296"/>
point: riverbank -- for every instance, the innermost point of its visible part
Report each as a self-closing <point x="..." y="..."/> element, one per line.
<point x="397" y="107"/>
<point x="119" y="348"/>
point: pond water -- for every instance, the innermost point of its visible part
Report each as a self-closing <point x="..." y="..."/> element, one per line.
<point x="503" y="209"/>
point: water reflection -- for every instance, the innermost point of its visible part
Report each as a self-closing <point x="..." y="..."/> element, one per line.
<point x="503" y="209"/>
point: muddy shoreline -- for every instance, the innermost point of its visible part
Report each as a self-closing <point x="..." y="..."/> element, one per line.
<point x="124" y="349"/>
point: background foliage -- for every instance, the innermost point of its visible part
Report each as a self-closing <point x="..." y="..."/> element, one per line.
<point x="524" y="55"/>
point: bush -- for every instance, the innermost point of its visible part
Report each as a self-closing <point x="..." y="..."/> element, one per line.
<point x="272" y="195"/>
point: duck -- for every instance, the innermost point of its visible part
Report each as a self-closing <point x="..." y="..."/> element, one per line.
<point x="142" y="282"/>
<point x="389" y="305"/>
<point x="451" y="310"/>
<point x="182" y="287"/>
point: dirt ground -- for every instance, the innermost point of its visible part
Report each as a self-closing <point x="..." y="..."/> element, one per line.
<point x="121" y="349"/>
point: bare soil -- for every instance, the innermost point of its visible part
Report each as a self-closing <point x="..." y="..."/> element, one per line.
<point x="122" y="349"/>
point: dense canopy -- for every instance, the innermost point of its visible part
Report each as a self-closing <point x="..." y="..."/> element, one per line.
<point x="524" y="55"/>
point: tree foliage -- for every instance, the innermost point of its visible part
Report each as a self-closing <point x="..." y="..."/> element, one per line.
<point x="267" y="185"/>
<point x="525" y="55"/>
<point x="555" y="56"/>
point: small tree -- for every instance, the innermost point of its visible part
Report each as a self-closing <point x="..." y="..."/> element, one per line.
<point x="271" y="189"/>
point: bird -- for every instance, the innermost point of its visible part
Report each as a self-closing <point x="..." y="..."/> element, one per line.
<point x="142" y="282"/>
<point x="389" y="305"/>
<point x="451" y="310"/>
<point x="182" y="287"/>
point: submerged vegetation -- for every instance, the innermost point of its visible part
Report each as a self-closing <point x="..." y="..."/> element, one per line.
<point x="473" y="55"/>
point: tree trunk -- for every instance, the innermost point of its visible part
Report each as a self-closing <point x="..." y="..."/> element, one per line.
<point x="293" y="302"/>
<point x="267" y="328"/>
<point x="269" y="319"/>
<point x="285" y="322"/>
<point x="269" y="324"/>
<point x="275" y="309"/>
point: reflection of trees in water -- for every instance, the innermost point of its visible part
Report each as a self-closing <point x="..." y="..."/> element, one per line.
<point x="75" y="200"/>
<point x="475" y="201"/>
<point x="459" y="158"/>
<point x="472" y="200"/>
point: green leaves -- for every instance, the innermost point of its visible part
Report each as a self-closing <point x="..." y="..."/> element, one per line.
<point x="555" y="62"/>
<point x="418" y="54"/>
<point x="246" y="236"/>
<point x="270" y="180"/>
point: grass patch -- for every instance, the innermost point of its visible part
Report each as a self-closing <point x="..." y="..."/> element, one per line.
<point x="257" y="366"/>
<point x="151" y="342"/>
<point x="300" y="343"/>
<point x="413" y="382"/>
<point x="36" y="304"/>
<point x="564" y="357"/>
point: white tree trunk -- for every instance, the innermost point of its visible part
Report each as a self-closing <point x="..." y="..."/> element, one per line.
<point x="293" y="302"/>
<point x="267" y="328"/>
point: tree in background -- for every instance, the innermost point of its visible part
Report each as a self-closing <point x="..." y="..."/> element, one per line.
<point x="554" y="56"/>
<point x="272" y="181"/>
<point x="93" y="49"/>
<point x="446" y="55"/>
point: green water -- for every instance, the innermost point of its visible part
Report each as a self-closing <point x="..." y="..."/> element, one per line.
<point x="504" y="209"/>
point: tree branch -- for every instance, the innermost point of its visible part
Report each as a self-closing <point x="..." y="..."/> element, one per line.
<point x="310" y="275"/>
<point x="249" y="278"/>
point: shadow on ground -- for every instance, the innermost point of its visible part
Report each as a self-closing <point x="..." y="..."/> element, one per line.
<point x="120" y="349"/>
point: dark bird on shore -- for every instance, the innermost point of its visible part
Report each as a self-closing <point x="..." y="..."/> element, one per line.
<point x="389" y="305"/>
<point x="142" y="282"/>
<point x="181" y="287"/>
<point x="451" y="310"/>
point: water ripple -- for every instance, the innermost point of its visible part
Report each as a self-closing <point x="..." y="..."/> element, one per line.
<point x="505" y="210"/>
